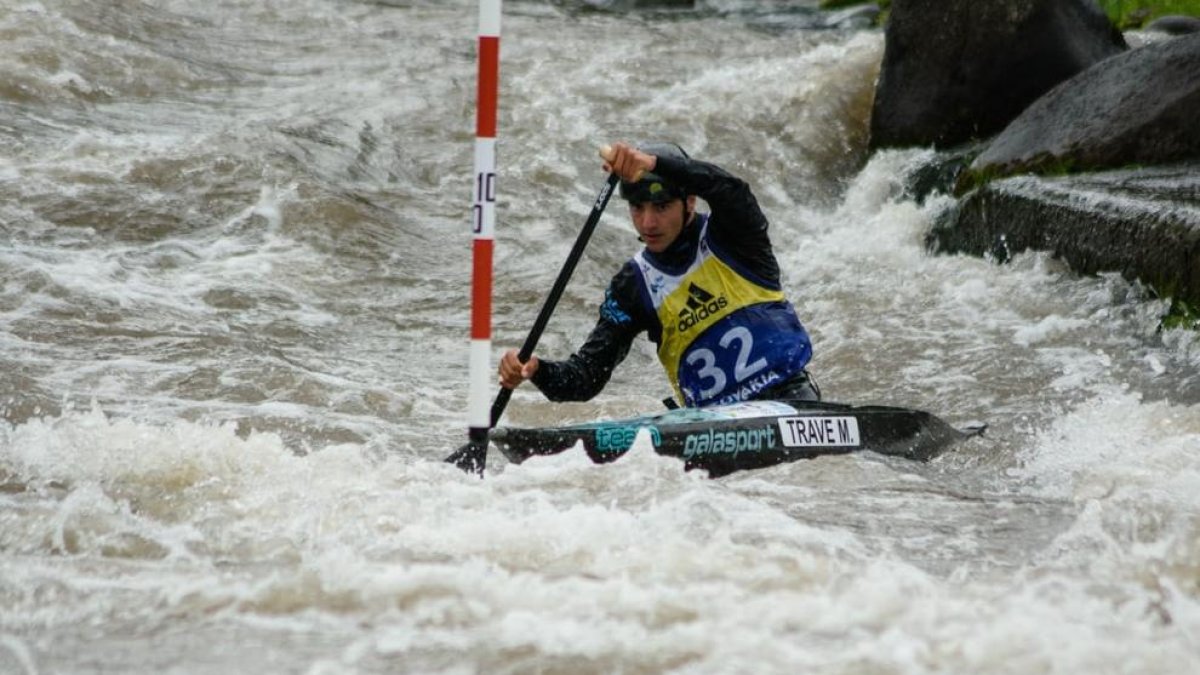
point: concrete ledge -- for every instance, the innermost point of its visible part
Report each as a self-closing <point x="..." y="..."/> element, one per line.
<point x="1143" y="223"/>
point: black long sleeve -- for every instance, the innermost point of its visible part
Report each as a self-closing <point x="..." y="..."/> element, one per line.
<point x="584" y="373"/>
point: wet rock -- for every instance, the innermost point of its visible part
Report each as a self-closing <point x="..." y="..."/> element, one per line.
<point x="640" y="4"/>
<point x="1175" y="25"/>
<point x="940" y="173"/>
<point x="957" y="71"/>
<point x="861" y="16"/>
<point x="1141" y="107"/>
<point x="1143" y="223"/>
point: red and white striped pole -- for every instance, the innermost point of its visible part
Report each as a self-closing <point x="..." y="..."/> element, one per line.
<point x="484" y="222"/>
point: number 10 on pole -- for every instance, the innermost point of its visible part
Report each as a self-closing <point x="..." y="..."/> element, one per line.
<point x="485" y="202"/>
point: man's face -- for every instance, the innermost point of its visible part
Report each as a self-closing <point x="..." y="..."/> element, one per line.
<point x="658" y="224"/>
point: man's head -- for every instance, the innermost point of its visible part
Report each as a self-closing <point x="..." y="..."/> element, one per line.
<point x="658" y="208"/>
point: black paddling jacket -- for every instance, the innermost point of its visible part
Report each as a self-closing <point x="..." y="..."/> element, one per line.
<point x="735" y="231"/>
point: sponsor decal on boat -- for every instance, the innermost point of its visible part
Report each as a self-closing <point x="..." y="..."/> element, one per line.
<point x="812" y="432"/>
<point x="619" y="439"/>
<point x="728" y="442"/>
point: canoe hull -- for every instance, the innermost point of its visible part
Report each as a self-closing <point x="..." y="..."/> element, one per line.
<point x="751" y="435"/>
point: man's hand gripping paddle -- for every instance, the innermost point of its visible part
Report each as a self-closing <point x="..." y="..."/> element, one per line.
<point x="472" y="457"/>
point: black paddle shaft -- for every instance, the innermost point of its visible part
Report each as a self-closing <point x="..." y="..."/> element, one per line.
<point x="472" y="456"/>
<point x="556" y="291"/>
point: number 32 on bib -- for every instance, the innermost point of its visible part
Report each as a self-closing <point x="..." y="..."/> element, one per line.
<point x="733" y="363"/>
<point x="732" y="357"/>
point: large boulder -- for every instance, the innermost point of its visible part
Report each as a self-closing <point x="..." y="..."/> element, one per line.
<point x="958" y="71"/>
<point x="1142" y="107"/>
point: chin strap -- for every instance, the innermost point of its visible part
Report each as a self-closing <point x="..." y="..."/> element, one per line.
<point x="687" y="215"/>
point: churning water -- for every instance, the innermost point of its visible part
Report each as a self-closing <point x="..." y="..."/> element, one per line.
<point x="234" y="271"/>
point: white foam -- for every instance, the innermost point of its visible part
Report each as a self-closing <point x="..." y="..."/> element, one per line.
<point x="142" y="524"/>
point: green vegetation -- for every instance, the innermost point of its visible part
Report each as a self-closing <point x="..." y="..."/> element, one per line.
<point x="1128" y="14"/>
<point x="1043" y="164"/>
<point x="1183" y="312"/>
<point x="1181" y="315"/>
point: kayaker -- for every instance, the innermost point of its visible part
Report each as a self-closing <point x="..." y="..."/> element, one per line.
<point x="705" y="288"/>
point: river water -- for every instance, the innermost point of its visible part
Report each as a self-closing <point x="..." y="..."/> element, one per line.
<point x="234" y="275"/>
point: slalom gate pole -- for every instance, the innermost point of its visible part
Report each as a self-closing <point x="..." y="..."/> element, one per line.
<point x="473" y="456"/>
<point x="483" y="225"/>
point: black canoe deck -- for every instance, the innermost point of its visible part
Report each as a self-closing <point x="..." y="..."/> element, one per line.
<point x="751" y="435"/>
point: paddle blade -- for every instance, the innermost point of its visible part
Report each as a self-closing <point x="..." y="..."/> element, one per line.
<point x="471" y="457"/>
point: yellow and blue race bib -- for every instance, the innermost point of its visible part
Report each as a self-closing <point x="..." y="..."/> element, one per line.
<point x="725" y="338"/>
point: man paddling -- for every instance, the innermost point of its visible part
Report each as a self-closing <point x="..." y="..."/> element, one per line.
<point x="705" y="289"/>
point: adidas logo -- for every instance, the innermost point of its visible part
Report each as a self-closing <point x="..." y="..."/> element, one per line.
<point x="700" y="305"/>
<point x="697" y="297"/>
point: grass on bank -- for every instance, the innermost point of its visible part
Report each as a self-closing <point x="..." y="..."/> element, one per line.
<point x="1182" y="315"/>
<point x="1127" y="14"/>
